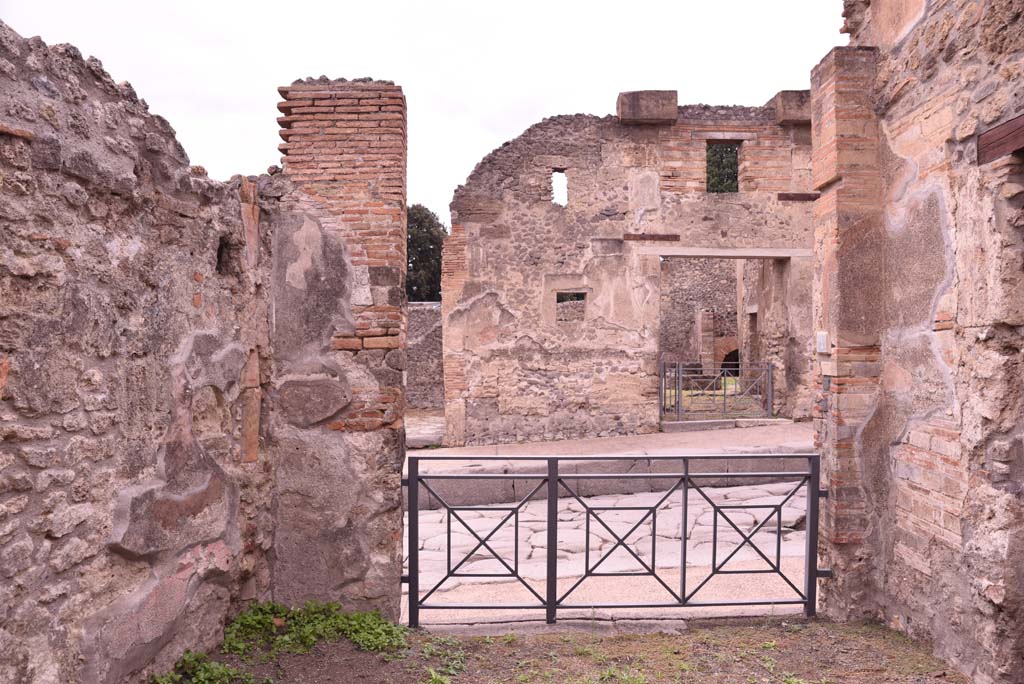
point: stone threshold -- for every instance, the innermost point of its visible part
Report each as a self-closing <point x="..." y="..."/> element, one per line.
<point x="720" y="424"/>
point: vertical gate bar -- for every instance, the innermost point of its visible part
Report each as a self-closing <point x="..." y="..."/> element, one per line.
<point x="552" y="574"/>
<point x="654" y="540"/>
<point x="714" y="538"/>
<point x="679" y="392"/>
<point x="682" y="553"/>
<point x="769" y="408"/>
<point x="661" y="388"/>
<point x="586" y="545"/>
<point x="725" y="392"/>
<point x="811" y="567"/>
<point x="414" y="541"/>
<point x="515" y="532"/>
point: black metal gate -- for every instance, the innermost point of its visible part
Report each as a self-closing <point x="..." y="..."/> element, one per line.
<point x="689" y="393"/>
<point x="550" y="479"/>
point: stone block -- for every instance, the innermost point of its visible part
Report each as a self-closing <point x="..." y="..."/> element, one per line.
<point x="389" y="342"/>
<point x="347" y="343"/>
<point x="648" y="107"/>
<point x="792" y="107"/>
<point x="310" y="400"/>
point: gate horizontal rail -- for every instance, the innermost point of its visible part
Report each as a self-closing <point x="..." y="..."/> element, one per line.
<point x="551" y="484"/>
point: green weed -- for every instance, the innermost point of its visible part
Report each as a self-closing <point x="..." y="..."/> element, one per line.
<point x="197" y="668"/>
<point x="622" y="676"/>
<point x="435" y="677"/>
<point x="277" y="629"/>
<point x="449" y="654"/>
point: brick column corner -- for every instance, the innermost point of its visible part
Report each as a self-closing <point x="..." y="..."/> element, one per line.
<point x="848" y="313"/>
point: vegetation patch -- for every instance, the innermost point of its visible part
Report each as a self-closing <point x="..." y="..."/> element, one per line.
<point x="273" y="644"/>
<point x="197" y="668"/>
<point x="273" y="628"/>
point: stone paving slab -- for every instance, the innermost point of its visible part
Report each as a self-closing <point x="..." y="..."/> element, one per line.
<point x="608" y="455"/>
<point x="423" y="428"/>
<point x="788" y="434"/>
<point x="592" y="456"/>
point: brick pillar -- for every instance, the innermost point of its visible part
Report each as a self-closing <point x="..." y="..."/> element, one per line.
<point x="453" y="278"/>
<point x="345" y="147"/>
<point x="849" y="284"/>
<point x="339" y="333"/>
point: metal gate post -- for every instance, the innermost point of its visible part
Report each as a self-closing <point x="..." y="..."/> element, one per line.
<point x="724" y="377"/>
<point x="661" y="389"/>
<point x="811" y="567"/>
<point x="770" y="408"/>
<point x="414" y="541"/>
<point x="551" y="602"/>
<point x="679" y="392"/>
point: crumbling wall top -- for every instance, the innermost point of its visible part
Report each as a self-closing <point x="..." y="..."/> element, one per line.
<point x="704" y="112"/>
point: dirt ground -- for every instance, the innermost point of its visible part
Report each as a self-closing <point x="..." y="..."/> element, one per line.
<point x="746" y="652"/>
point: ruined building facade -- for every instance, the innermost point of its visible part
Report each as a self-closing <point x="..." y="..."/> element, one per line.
<point x="200" y="382"/>
<point x="521" y="364"/>
<point x="201" y="395"/>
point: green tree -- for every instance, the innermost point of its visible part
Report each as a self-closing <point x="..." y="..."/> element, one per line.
<point x="426" y="235"/>
<point x="723" y="167"/>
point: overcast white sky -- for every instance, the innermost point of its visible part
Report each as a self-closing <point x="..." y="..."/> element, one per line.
<point x="475" y="73"/>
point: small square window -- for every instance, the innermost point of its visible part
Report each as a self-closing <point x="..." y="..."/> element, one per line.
<point x="723" y="172"/>
<point x="559" y="187"/>
<point x="570" y="306"/>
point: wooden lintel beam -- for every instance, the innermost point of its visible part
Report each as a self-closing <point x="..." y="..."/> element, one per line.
<point x="659" y="237"/>
<point x="1004" y="139"/>
<point x="725" y="252"/>
<point x="798" y="196"/>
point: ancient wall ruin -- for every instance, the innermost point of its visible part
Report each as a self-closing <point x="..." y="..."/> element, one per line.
<point x="689" y="286"/>
<point x="516" y="369"/>
<point x="200" y="382"/>
<point x="774" y="326"/>
<point x="424" y="377"/>
<point x="919" y="247"/>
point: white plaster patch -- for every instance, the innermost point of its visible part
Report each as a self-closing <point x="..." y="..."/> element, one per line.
<point x="120" y="249"/>
<point x="644" y="192"/>
<point x="309" y="241"/>
<point x="361" y="295"/>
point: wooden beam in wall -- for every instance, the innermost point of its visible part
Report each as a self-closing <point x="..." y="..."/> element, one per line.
<point x="659" y="237"/>
<point x="798" y="196"/>
<point x="1004" y="139"/>
<point x="725" y="252"/>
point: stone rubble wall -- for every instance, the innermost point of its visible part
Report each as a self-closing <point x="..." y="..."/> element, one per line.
<point x="167" y="369"/>
<point x="512" y="371"/>
<point x="748" y="287"/>
<point x="425" y="373"/>
<point x="919" y="286"/>
<point x="687" y="287"/>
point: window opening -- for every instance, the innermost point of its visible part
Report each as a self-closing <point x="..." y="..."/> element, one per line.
<point x="570" y="306"/>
